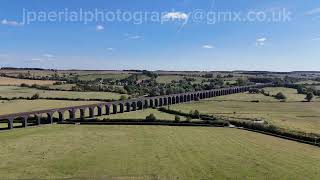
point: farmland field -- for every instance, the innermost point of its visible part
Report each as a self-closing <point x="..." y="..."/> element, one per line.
<point x="13" y="91"/>
<point x="14" y="81"/>
<point x="293" y="114"/>
<point x="152" y="152"/>
<point x="170" y="78"/>
<point x="141" y="115"/>
<point x="16" y="106"/>
<point x="91" y="77"/>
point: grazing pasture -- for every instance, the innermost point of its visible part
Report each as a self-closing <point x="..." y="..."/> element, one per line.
<point x="114" y="76"/>
<point x="13" y="91"/>
<point x="14" y="81"/>
<point x="292" y="114"/>
<point x="152" y="152"/>
<point x="15" y="106"/>
<point x="141" y="115"/>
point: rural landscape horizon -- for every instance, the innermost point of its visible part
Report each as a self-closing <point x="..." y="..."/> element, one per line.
<point x="185" y="89"/>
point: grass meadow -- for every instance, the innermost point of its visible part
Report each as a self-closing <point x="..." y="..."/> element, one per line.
<point x="14" y="91"/>
<point x="14" y="81"/>
<point x="292" y="114"/>
<point x="152" y="152"/>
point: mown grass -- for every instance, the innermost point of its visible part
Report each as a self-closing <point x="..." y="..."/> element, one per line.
<point x="152" y="152"/>
<point x="14" y="91"/>
<point x="292" y="114"/>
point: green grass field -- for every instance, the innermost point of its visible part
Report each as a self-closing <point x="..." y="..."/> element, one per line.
<point x="152" y="152"/>
<point x="170" y="78"/>
<point x="293" y="114"/>
<point x="14" y="91"/>
<point x="141" y="115"/>
<point x="62" y="86"/>
<point x="16" y="106"/>
<point x="91" y="77"/>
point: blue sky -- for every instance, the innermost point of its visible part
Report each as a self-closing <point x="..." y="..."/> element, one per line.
<point x="177" y="40"/>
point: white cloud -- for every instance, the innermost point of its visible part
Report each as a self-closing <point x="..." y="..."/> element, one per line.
<point x="36" y="60"/>
<point x="48" y="55"/>
<point x="131" y="36"/>
<point x="11" y="23"/>
<point x="110" y="49"/>
<point x="208" y="46"/>
<point x="134" y="37"/>
<point x="261" y="41"/>
<point x="99" y="28"/>
<point x="175" y="16"/>
<point x="313" y="11"/>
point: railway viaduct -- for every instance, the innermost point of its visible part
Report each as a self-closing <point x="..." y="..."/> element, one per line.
<point x="115" y="107"/>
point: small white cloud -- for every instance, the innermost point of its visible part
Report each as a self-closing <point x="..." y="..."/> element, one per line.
<point x="36" y="60"/>
<point x="261" y="41"/>
<point x="99" y="28"/>
<point x="11" y="23"/>
<point x="175" y="16"/>
<point x="48" y="55"/>
<point x="134" y="37"/>
<point x="110" y="49"/>
<point x="313" y="11"/>
<point x="131" y="36"/>
<point x="208" y="46"/>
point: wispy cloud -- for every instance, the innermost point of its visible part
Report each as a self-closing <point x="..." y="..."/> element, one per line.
<point x="111" y="49"/>
<point x="36" y="60"/>
<point x="261" y="41"/>
<point x="48" y="56"/>
<point x="207" y="46"/>
<point x="99" y="28"/>
<point x="313" y="11"/>
<point x="11" y="23"/>
<point x="175" y="16"/>
<point x="132" y="36"/>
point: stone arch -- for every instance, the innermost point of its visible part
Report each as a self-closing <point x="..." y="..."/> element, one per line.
<point x="121" y="106"/>
<point x="160" y="101"/>
<point x="181" y="99"/>
<point x="140" y="105"/>
<point x="128" y="107"/>
<point x="146" y="103"/>
<point x="83" y="113"/>
<point x="156" y="102"/>
<point x="46" y="117"/>
<point x="134" y="106"/>
<point x="173" y="100"/>
<point x="177" y="100"/>
<point x="188" y="97"/>
<point x="99" y="109"/>
<point x="107" y="109"/>
<point x="114" y="109"/>
<point x="165" y="101"/>
<point x="170" y="100"/>
<point x="151" y="103"/>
